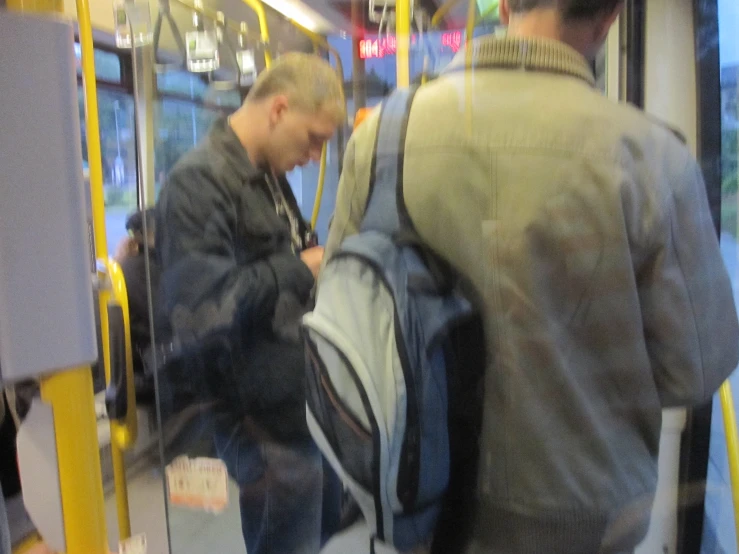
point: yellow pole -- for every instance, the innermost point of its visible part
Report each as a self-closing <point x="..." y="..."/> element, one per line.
<point x="319" y="190"/>
<point x="123" y="433"/>
<point x="258" y="8"/>
<point x="81" y="481"/>
<point x="95" y="158"/>
<point x="469" y="33"/>
<point x="101" y="247"/>
<point x="94" y="153"/>
<point x="70" y="392"/>
<point x="732" y="446"/>
<point x="403" y="39"/>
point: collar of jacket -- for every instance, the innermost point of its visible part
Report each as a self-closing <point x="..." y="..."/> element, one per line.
<point x="529" y="54"/>
<point x="228" y="144"/>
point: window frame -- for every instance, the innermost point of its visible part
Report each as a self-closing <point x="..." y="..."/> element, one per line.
<point x="696" y="438"/>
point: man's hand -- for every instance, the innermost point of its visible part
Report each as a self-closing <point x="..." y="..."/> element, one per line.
<point x="312" y="257"/>
<point x="126" y="248"/>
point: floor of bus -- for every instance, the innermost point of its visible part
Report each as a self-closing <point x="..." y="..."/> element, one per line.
<point x="189" y="531"/>
<point x="194" y="532"/>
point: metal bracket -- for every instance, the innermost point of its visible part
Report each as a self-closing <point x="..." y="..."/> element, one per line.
<point x="222" y="38"/>
<point x="101" y="279"/>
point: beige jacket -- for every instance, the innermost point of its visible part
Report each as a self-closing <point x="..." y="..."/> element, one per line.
<point x="585" y="228"/>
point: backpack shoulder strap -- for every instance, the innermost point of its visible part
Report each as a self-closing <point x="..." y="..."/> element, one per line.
<point x="386" y="209"/>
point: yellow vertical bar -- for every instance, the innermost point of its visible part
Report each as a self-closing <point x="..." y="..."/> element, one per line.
<point x="403" y="40"/>
<point x="70" y="394"/>
<point x="732" y="446"/>
<point x="319" y="190"/>
<point x="469" y="71"/>
<point x="121" y="493"/>
<point x="94" y="156"/>
<point x="94" y="153"/>
<point x="101" y="247"/>
<point x="123" y="434"/>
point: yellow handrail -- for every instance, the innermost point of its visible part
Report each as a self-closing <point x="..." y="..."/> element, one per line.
<point x="258" y="8"/>
<point x="319" y="189"/>
<point x="123" y="433"/>
<point x="732" y="446"/>
<point x="78" y="458"/>
<point x="120" y="432"/>
<point x="402" y="40"/>
<point x="95" y="160"/>
<point x="469" y="33"/>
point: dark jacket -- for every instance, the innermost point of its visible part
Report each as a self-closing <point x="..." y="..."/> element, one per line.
<point x="134" y="272"/>
<point x="232" y="286"/>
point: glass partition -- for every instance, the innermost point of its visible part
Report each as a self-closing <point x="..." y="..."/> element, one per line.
<point x="719" y="530"/>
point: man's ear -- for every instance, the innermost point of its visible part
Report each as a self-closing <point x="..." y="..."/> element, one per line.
<point x="278" y="105"/>
<point x="504" y="12"/>
<point x="606" y="22"/>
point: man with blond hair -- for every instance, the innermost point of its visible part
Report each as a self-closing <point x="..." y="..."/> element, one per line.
<point x="238" y="266"/>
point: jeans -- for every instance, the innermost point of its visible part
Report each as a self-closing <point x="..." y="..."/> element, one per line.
<point x="287" y="506"/>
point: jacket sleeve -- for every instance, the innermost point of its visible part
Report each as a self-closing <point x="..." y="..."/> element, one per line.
<point x="204" y="289"/>
<point x="689" y="316"/>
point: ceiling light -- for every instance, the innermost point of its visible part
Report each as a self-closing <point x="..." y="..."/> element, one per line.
<point x="302" y="15"/>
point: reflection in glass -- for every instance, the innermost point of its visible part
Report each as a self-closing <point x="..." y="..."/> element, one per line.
<point x="118" y="148"/>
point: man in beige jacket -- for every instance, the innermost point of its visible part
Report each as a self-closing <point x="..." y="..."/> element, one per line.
<point x="586" y="230"/>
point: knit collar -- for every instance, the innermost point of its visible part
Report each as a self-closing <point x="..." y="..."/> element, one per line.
<point x="529" y="54"/>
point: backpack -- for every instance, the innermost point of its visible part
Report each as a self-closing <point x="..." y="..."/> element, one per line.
<point x="380" y="359"/>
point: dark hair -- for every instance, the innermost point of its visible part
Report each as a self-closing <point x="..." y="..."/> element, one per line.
<point x="570" y="9"/>
<point x="135" y="221"/>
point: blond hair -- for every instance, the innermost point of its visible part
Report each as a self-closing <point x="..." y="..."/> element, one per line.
<point x="308" y="81"/>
